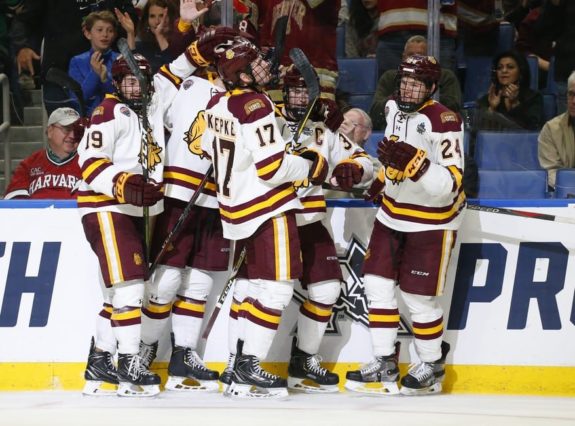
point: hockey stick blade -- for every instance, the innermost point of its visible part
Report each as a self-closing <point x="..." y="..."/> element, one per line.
<point x="311" y="81"/>
<point x="224" y="294"/>
<point x="62" y="79"/>
<point x="132" y="64"/>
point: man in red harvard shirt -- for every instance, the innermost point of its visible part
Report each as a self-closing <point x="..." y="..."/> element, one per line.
<point x="52" y="172"/>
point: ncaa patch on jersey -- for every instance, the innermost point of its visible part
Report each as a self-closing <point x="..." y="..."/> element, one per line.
<point x="253" y="105"/>
<point x="447" y="117"/>
<point x="125" y="110"/>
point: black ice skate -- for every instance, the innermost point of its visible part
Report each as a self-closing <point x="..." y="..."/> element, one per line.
<point x="380" y="376"/>
<point x="148" y="354"/>
<point x="226" y="376"/>
<point x="187" y="372"/>
<point x="306" y="374"/>
<point x="425" y="378"/>
<point x="249" y="380"/>
<point x="101" y="375"/>
<point x="134" y="378"/>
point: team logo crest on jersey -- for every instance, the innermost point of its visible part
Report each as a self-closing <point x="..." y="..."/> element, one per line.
<point x="352" y="303"/>
<point x="421" y="128"/>
<point x="125" y="110"/>
<point x="448" y="117"/>
<point x="151" y="156"/>
<point x="193" y="136"/>
<point x="138" y="259"/>
<point x="253" y="105"/>
<point x="187" y="84"/>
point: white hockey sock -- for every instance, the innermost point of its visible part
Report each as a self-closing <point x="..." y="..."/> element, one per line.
<point x="152" y="328"/>
<point x="186" y="330"/>
<point x="126" y="315"/>
<point x="234" y="320"/>
<point x="383" y="314"/>
<point x="105" y="339"/>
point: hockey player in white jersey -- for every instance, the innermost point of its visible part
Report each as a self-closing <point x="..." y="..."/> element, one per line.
<point x="414" y="231"/>
<point x="257" y="200"/>
<point x="112" y="196"/>
<point x="322" y="275"/>
<point x="184" y="278"/>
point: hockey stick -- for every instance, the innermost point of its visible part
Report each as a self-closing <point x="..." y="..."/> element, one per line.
<point x="135" y="69"/>
<point x="279" y="43"/>
<point x="224" y="294"/>
<point x="519" y="213"/>
<point x="62" y="79"/>
<point x="178" y="226"/>
<point x="306" y="70"/>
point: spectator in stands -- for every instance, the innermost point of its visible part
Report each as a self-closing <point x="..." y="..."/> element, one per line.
<point x="449" y="87"/>
<point x="58" y="23"/>
<point x="154" y="30"/>
<point x="361" y="29"/>
<point x="556" y="21"/>
<point x="52" y="172"/>
<point x="312" y="27"/>
<point x="399" y="20"/>
<point x="93" y="68"/>
<point x="356" y="126"/>
<point x="557" y="138"/>
<point x="510" y="103"/>
<point x="478" y="26"/>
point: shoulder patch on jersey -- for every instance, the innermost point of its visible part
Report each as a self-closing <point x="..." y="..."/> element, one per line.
<point x="448" y="116"/>
<point x="249" y="107"/>
<point x="105" y="111"/>
<point x="253" y="105"/>
<point x="187" y="84"/>
<point x="125" y="110"/>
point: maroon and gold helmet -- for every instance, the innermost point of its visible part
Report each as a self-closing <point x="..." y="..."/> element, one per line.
<point x="236" y="60"/>
<point x="120" y="69"/>
<point x="422" y="68"/>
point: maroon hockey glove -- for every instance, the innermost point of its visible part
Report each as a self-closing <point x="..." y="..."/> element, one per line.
<point x="348" y="173"/>
<point x="79" y="127"/>
<point x="329" y="113"/>
<point x="403" y="158"/>
<point x="319" y="167"/>
<point x="374" y="193"/>
<point x="133" y="189"/>
<point x="210" y="44"/>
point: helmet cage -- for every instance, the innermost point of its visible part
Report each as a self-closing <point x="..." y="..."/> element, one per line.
<point x="295" y="93"/>
<point x="121" y="69"/>
<point x="424" y="69"/>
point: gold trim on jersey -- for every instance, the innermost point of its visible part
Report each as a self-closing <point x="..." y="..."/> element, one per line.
<point x="110" y="244"/>
<point x="87" y="172"/>
<point x="258" y="206"/>
<point x="456" y="172"/>
<point x="100" y="198"/>
<point x="314" y="204"/>
<point x="189" y="178"/>
<point x="429" y="215"/>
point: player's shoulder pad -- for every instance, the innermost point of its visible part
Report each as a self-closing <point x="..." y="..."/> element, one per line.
<point x="250" y="106"/>
<point x="442" y="118"/>
<point x="105" y="111"/>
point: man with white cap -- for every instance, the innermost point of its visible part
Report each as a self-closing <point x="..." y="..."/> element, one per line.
<point x="53" y="171"/>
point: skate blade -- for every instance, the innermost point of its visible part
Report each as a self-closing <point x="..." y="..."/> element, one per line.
<point x="310" y="386"/>
<point x="99" y="388"/>
<point x="373" y="388"/>
<point x="430" y="390"/>
<point x="239" y="391"/>
<point x="135" y="391"/>
<point x="188" y="384"/>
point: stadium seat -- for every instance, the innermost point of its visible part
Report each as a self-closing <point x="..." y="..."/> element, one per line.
<point x="551" y="86"/>
<point x="361" y="101"/>
<point x="534" y="71"/>
<point x="340" y="41"/>
<point x="506" y="150"/>
<point x="549" y="106"/>
<point x="477" y="77"/>
<point x="565" y="183"/>
<point x="371" y="144"/>
<point x="521" y="184"/>
<point x="357" y="76"/>
<point x="505" y="37"/>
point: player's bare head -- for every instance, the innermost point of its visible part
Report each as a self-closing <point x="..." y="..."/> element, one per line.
<point x="416" y="81"/>
<point x="243" y="65"/>
<point x="127" y="85"/>
<point x="295" y="93"/>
